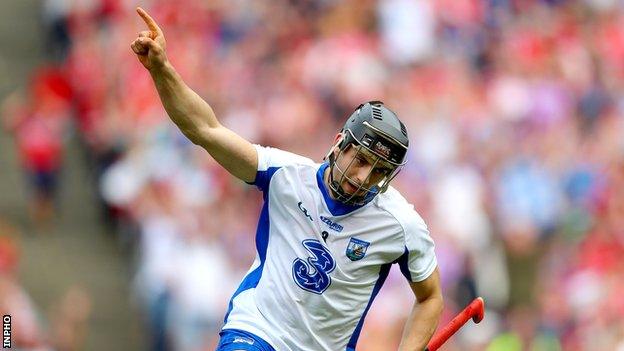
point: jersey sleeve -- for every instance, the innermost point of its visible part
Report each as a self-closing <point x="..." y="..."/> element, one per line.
<point x="270" y="160"/>
<point x="419" y="260"/>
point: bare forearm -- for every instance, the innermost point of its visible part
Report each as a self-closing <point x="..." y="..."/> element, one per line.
<point x="421" y="324"/>
<point x="186" y="109"/>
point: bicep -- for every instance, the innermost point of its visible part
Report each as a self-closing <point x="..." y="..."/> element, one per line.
<point x="237" y="155"/>
<point x="428" y="288"/>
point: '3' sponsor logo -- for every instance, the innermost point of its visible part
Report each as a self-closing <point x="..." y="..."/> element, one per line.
<point x="312" y="273"/>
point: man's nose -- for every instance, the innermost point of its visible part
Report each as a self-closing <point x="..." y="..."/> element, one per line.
<point x="363" y="173"/>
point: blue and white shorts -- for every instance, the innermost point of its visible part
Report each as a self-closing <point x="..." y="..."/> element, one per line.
<point x="239" y="340"/>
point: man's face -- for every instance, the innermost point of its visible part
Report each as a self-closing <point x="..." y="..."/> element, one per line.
<point x="361" y="168"/>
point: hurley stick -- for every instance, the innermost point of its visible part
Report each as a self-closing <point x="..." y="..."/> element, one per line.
<point x="474" y="310"/>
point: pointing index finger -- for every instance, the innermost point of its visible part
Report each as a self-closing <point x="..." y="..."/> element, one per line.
<point x="151" y="24"/>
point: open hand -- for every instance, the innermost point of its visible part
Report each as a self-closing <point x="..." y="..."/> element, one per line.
<point x="150" y="45"/>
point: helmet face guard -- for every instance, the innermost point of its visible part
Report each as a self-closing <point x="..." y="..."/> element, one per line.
<point x="378" y="137"/>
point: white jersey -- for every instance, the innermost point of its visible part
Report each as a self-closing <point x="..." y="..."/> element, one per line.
<point x="320" y="263"/>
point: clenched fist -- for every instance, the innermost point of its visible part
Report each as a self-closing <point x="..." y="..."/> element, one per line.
<point x="150" y="45"/>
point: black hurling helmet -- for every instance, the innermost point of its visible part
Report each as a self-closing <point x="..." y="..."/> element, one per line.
<point x="377" y="134"/>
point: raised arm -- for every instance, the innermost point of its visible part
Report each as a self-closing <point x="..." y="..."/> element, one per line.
<point x="189" y="111"/>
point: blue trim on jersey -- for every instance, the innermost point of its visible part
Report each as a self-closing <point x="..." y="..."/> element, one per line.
<point x="336" y="208"/>
<point x="404" y="265"/>
<point x="263" y="178"/>
<point x="262" y="181"/>
<point x="383" y="274"/>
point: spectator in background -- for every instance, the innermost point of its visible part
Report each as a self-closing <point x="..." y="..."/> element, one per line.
<point x="65" y="327"/>
<point x="26" y="326"/>
<point x="38" y="122"/>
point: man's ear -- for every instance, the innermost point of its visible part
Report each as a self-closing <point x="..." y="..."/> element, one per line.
<point x="337" y="141"/>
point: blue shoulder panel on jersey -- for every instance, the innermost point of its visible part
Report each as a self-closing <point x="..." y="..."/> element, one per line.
<point x="403" y="264"/>
<point x="383" y="274"/>
<point x="336" y="208"/>
<point x="263" y="179"/>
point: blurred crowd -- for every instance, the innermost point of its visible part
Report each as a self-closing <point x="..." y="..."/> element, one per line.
<point x="514" y="110"/>
<point x="61" y="326"/>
